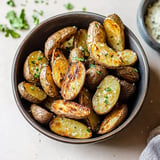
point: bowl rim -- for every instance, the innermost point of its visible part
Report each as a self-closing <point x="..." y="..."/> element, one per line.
<point x="142" y="27"/>
<point x="66" y="139"/>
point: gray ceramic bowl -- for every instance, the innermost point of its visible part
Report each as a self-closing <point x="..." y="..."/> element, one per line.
<point x="35" y="41"/>
<point x="142" y="11"/>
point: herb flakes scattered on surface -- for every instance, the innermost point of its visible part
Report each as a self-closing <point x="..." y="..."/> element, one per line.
<point x="69" y="6"/>
<point x="11" y="3"/>
<point x="35" y="20"/>
<point x="92" y="66"/>
<point x="84" y="9"/>
<point x="79" y="59"/>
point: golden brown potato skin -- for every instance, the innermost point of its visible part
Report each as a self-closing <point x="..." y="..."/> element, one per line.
<point x="114" y="29"/>
<point x="31" y="92"/>
<point x="92" y="119"/>
<point x="33" y="65"/>
<point x="94" y="76"/>
<point x="113" y="119"/>
<point x="96" y="33"/>
<point x="70" y="109"/>
<point x="127" y="90"/>
<point x="76" y="55"/>
<point x="80" y="41"/>
<point x="57" y="38"/>
<point x="128" y="73"/>
<point x="40" y="114"/>
<point x="47" y="82"/>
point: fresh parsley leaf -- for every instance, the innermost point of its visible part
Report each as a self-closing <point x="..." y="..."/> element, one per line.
<point x="96" y="24"/>
<point x="98" y="87"/>
<point x="35" y="20"/>
<point x="92" y="66"/>
<point x="11" y="3"/>
<point x="99" y="72"/>
<point x="69" y="6"/>
<point x="105" y="101"/>
<point x="32" y="88"/>
<point x="108" y="89"/>
<point x="106" y="54"/>
<point x="40" y="58"/>
<point x="79" y="59"/>
<point x="106" y="96"/>
<point x="84" y="9"/>
<point x="136" y="70"/>
<point x="88" y="130"/>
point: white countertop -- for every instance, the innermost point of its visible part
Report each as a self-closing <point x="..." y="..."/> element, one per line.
<point x="18" y="140"/>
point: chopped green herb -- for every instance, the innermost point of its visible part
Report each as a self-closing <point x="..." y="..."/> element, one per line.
<point x="105" y="101"/>
<point x="36" y="75"/>
<point x="36" y="1"/>
<point x="41" y="13"/>
<point x="106" y="96"/>
<point x="42" y="1"/>
<point x="79" y="59"/>
<point x="119" y="42"/>
<point x="11" y="3"/>
<point x="84" y="9"/>
<point x="88" y="35"/>
<point x="98" y="87"/>
<point x="136" y="70"/>
<point x="40" y="58"/>
<point x="111" y="55"/>
<point x="32" y="88"/>
<point x="69" y="6"/>
<point x="88" y="130"/>
<point x="17" y="22"/>
<point x="69" y="43"/>
<point x="35" y="20"/>
<point x="106" y="54"/>
<point x="96" y="24"/>
<point x="33" y="62"/>
<point x="98" y="72"/>
<point x="92" y="66"/>
<point x="47" y="3"/>
<point x="86" y="49"/>
<point x="37" y="69"/>
<point x="108" y="89"/>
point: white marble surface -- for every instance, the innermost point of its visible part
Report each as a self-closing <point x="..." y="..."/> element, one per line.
<point x="18" y="140"/>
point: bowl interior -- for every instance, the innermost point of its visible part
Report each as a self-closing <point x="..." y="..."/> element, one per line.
<point x="35" y="41"/>
<point x="142" y="12"/>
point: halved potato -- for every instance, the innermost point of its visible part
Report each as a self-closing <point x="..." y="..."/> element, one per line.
<point x="92" y="119"/>
<point x="31" y="92"/>
<point x="59" y="70"/>
<point x="106" y="95"/>
<point x="129" y="74"/>
<point x="76" y="55"/>
<point x="69" y="128"/>
<point x="70" y="109"/>
<point x="68" y="44"/>
<point x="80" y="41"/>
<point x="113" y="119"/>
<point x="96" y="33"/>
<point x="115" y="32"/>
<point x="33" y="65"/>
<point x="40" y="114"/>
<point x="73" y="81"/>
<point x="129" y="57"/>
<point x="47" y="82"/>
<point x="105" y="56"/>
<point x="58" y="38"/>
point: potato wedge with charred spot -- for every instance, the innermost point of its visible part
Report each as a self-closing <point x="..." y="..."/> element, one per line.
<point x="70" y="109"/>
<point x="69" y="128"/>
<point x="113" y="119"/>
<point x="73" y="81"/>
<point x="33" y="65"/>
<point x="129" y="74"/>
<point x="68" y="44"/>
<point x="114" y="29"/>
<point x="80" y="41"/>
<point x="59" y="70"/>
<point x="106" y="95"/>
<point x="58" y="38"/>
<point x="96" y="33"/>
<point x="31" y="92"/>
<point x="47" y="82"/>
<point x="105" y="56"/>
<point x="129" y="57"/>
<point x="76" y="55"/>
<point x="92" y="119"/>
<point x="40" y="114"/>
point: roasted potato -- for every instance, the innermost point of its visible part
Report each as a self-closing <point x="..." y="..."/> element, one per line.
<point x="92" y="119"/>
<point x="68" y="44"/>
<point x="76" y="55"/>
<point x="57" y="38"/>
<point x="105" y="56"/>
<point x="40" y="114"/>
<point x="80" y="41"/>
<point x="33" y="65"/>
<point x="59" y="70"/>
<point x="129" y="57"/>
<point x="70" y="109"/>
<point x="96" y="33"/>
<point x="47" y="82"/>
<point x="31" y="92"/>
<point x="113" y="119"/>
<point x="73" y="81"/>
<point x="47" y="103"/>
<point x="129" y="74"/>
<point x="89" y="62"/>
<point x="106" y="95"/>
<point x="94" y="76"/>
<point x="70" y="128"/>
<point x="127" y="90"/>
<point x="115" y="32"/>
